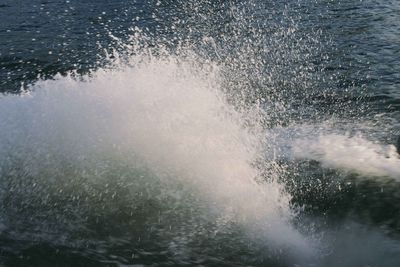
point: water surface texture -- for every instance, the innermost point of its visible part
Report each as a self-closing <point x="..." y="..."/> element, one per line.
<point x="199" y="133"/>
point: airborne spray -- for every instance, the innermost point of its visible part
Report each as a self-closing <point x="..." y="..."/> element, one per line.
<point x="161" y="121"/>
<point x="204" y="133"/>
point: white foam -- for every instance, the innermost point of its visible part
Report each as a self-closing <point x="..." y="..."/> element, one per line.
<point x="164" y="112"/>
<point x="355" y="154"/>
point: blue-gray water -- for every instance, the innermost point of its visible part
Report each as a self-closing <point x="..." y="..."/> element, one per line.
<point x="199" y="133"/>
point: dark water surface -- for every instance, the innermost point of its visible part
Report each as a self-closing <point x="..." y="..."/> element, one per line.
<point x="199" y="133"/>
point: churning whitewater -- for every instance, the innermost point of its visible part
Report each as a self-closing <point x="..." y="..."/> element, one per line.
<point x="199" y="133"/>
<point x="354" y="154"/>
<point x="166" y="115"/>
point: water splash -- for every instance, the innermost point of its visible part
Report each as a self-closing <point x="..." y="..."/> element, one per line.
<point x="165" y="113"/>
